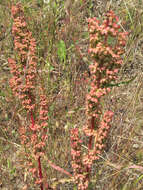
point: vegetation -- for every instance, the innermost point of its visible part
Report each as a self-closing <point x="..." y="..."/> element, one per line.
<point x="71" y="95"/>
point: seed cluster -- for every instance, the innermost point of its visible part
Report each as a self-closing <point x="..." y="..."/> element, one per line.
<point x="106" y="48"/>
<point x="23" y="67"/>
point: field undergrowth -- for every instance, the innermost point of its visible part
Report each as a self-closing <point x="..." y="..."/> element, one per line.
<point x="62" y="37"/>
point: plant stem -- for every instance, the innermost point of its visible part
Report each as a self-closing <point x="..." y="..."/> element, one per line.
<point x="90" y="139"/>
<point x="40" y="172"/>
<point x="39" y="161"/>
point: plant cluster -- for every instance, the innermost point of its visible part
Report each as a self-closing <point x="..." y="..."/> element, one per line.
<point x="23" y="67"/>
<point x="106" y="47"/>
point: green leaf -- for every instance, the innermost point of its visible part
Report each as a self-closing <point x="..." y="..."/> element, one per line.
<point x="48" y="66"/>
<point x="8" y="164"/>
<point x="137" y="180"/>
<point x="62" y="51"/>
<point x="2" y="93"/>
<point x="75" y="187"/>
<point x="13" y="171"/>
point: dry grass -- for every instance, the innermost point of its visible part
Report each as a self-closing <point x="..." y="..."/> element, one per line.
<point x="121" y="164"/>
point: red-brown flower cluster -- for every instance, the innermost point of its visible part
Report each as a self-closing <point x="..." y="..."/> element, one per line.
<point x="38" y="136"/>
<point x="106" y="47"/>
<point x="78" y="167"/>
<point x="23" y="83"/>
<point x="23" y="65"/>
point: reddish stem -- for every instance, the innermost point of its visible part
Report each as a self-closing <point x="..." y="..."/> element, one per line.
<point x="32" y="119"/>
<point x="90" y="139"/>
<point x="40" y="172"/>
